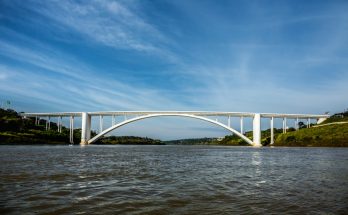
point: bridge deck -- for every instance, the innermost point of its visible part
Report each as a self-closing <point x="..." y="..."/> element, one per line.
<point x="197" y="113"/>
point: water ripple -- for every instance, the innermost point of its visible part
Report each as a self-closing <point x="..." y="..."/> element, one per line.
<point x="172" y="180"/>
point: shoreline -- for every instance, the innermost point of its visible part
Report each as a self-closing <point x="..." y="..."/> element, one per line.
<point x="134" y="144"/>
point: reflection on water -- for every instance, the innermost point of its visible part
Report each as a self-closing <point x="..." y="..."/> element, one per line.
<point x="172" y="179"/>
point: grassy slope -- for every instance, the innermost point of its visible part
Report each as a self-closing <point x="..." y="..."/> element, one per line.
<point x="37" y="136"/>
<point x="338" y="119"/>
<point x="330" y="135"/>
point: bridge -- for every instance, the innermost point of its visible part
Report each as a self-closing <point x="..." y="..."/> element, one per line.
<point x="208" y="116"/>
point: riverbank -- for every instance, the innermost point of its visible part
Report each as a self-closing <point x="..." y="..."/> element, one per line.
<point x="33" y="137"/>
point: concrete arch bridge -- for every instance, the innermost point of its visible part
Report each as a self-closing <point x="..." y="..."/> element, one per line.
<point x="208" y="116"/>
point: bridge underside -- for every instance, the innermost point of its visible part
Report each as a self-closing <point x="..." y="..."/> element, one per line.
<point x="89" y="141"/>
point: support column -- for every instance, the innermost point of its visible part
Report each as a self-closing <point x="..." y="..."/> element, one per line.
<point x="85" y="128"/>
<point x="71" y="129"/>
<point x="100" y="124"/>
<point x="285" y="125"/>
<point x="297" y="126"/>
<point x="89" y="126"/>
<point x="229" y="122"/>
<point x="49" y="123"/>
<point x="36" y="120"/>
<point x="60" y="124"/>
<point x="46" y="124"/>
<point x="113" y="120"/>
<point x="309" y="122"/>
<point x="257" y="130"/>
<point x="272" y="131"/>
<point x="241" y="125"/>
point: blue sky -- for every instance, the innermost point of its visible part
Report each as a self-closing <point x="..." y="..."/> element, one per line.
<point x="260" y="56"/>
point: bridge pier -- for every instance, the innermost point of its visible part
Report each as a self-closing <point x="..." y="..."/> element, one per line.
<point x="296" y="124"/>
<point x="257" y="130"/>
<point x="59" y="124"/>
<point x="309" y="122"/>
<point x="113" y="121"/>
<point x="272" y="130"/>
<point x="71" y="129"/>
<point x="46" y="124"/>
<point x="101" y="123"/>
<point x="85" y="128"/>
<point x="283" y="125"/>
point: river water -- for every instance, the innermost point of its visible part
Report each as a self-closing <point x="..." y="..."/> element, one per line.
<point x="172" y="180"/>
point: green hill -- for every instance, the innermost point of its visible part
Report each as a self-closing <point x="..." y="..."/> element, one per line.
<point x="333" y="132"/>
<point x="337" y="117"/>
<point x="15" y="129"/>
<point x="330" y="135"/>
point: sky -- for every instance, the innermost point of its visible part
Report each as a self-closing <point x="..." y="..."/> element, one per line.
<point x="241" y="56"/>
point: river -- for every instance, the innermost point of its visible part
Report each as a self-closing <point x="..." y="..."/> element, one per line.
<point x="172" y="180"/>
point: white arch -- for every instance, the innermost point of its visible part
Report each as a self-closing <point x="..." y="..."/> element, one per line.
<point x="171" y="114"/>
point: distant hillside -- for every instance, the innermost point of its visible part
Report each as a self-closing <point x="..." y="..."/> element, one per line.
<point x="192" y="141"/>
<point x="129" y="140"/>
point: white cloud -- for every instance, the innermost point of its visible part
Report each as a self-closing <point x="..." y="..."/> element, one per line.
<point x="111" y="23"/>
<point x="59" y="71"/>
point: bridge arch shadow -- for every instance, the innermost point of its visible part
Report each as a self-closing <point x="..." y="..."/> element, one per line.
<point x="100" y="135"/>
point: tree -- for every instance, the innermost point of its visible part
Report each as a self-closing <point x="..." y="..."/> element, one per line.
<point x="301" y="125"/>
